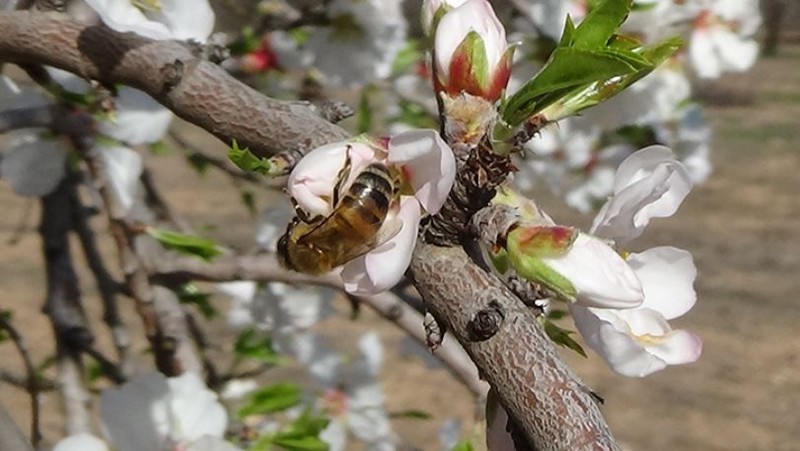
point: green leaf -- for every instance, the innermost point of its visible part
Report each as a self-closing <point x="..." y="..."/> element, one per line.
<point x="415" y="115"/>
<point x="252" y="344"/>
<point x="567" y="69"/>
<point x="247" y="161"/>
<point x="249" y="201"/>
<point x="198" y="163"/>
<point x="307" y="443"/>
<point x="600" y="24"/>
<point x="159" y="148"/>
<point x="464" y="445"/>
<point x="202" y="248"/>
<point x="191" y="294"/>
<point x="561" y="336"/>
<point x="412" y="414"/>
<point x="556" y="314"/>
<point x="409" y="56"/>
<point x="364" y="111"/>
<point x="273" y="398"/>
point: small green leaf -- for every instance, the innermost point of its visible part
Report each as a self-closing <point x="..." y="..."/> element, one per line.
<point x="556" y="314"/>
<point x="464" y="445"/>
<point x="274" y="398"/>
<point x="600" y="24"/>
<point x="249" y="201"/>
<point x="247" y="161"/>
<point x="159" y="148"/>
<point x="364" y="111"/>
<point x="94" y="371"/>
<point x="409" y="56"/>
<point x="198" y="163"/>
<point x="561" y="336"/>
<point x="412" y="414"/>
<point x="202" y="248"/>
<point x="415" y="115"/>
<point x="307" y="443"/>
<point x="250" y="343"/>
<point x="191" y="294"/>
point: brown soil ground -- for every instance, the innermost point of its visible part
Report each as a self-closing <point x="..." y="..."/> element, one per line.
<point x="743" y="228"/>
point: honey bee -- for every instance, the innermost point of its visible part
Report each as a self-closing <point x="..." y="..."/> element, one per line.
<point x="354" y="227"/>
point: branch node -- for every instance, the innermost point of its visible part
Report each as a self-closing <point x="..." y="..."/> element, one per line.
<point x="486" y="323"/>
<point x="172" y="74"/>
<point x="434" y="331"/>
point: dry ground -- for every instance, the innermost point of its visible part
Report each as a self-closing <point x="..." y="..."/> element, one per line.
<point x="743" y="227"/>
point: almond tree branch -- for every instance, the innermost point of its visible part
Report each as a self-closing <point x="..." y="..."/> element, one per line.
<point x="31" y="379"/>
<point x="494" y="326"/>
<point x="196" y="90"/>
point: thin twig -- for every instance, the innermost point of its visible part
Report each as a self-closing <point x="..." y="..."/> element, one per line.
<point x="31" y="384"/>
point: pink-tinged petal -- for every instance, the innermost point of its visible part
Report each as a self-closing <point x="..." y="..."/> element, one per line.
<point x="650" y="183"/>
<point x="667" y="275"/>
<point x="677" y="347"/>
<point x="606" y="334"/>
<point x="123" y="16"/>
<point x="385" y="265"/>
<point x="312" y="181"/>
<point x="600" y="276"/>
<point x="428" y="163"/>
<point x="138" y="118"/>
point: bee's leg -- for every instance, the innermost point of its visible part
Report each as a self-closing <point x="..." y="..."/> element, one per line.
<point x="301" y="214"/>
<point x="341" y="178"/>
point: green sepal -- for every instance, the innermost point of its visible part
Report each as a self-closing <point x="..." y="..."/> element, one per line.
<point x="525" y="253"/>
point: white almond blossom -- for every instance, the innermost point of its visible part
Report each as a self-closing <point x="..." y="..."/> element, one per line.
<point x="354" y="399"/>
<point x="426" y="163"/>
<point x="638" y="341"/>
<point x="358" y="47"/>
<point x="723" y="37"/>
<point x="153" y="412"/>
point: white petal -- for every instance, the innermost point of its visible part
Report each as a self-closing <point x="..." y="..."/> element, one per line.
<point x="195" y="409"/>
<point x="702" y="55"/>
<point x="209" y="443"/>
<point x="138" y="119"/>
<point x="241" y="290"/>
<point x="187" y="19"/>
<point x="385" y="265"/>
<point x="650" y="183"/>
<point x="135" y="414"/>
<point x="429" y="164"/>
<point x="33" y="166"/>
<point x="601" y="277"/>
<point x="667" y="275"/>
<point x="237" y="389"/>
<point x="68" y="80"/>
<point x="607" y="337"/>
<point x="678" y="347"/>
<point x="371" y="348"/>
<point x="335" y="435"/>
<point x="735" y="53"/>
<point x="81" y="442"/>
<point x="122" y="16"/>
<point x="123" y="167"/>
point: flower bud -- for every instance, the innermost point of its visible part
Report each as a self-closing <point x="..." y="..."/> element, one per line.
<point x="470" y="52"/>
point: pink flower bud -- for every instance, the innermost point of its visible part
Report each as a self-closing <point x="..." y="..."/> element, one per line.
<point x="471" y="53"/>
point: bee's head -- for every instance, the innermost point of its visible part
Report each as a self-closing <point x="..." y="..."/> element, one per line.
<point x="283" y="247"/>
